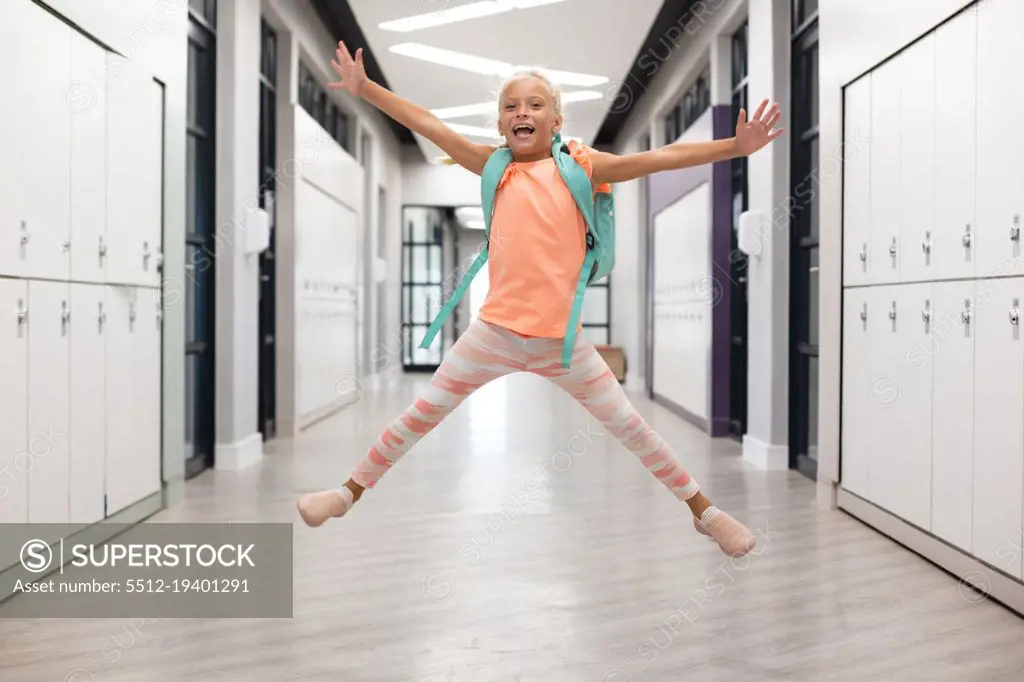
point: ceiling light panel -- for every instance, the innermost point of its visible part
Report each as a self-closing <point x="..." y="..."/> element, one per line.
<point x="488" y="67"/>
<point x="452" y="15"/>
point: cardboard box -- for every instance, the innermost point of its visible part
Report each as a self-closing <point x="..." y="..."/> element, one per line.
<point x="616" y="359"/>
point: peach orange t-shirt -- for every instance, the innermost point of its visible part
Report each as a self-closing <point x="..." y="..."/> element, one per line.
<point x="537" y="247"/>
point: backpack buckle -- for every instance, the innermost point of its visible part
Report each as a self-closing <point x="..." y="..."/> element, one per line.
<point x="590" y="240"/>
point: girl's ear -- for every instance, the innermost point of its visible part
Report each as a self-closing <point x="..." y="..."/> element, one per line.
<point x="557" y="127"/>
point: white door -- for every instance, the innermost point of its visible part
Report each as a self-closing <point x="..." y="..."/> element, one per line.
<point x="998" y="431"/>
<point x="14" y="461"/>
<point x="130" y="111"/>
<point x="886" y="197"/>
<point x="122" y="450"/>
<point x="857" y="183"/>
<point x="12" y="118"/>
<point x="88" y="402"/>
<point x="147" y="405"/>
<point x="858" y="321"/>
<point x="953" y="221"/>
<point x="49" y="375"/>
<point x="151" y="184"/>
<point x="952" y="352"/>
<point x="1000" y="144"/>
<point x="44" y="141"/>
<point x="88" y="162"/>
<point x="906" y="466"/>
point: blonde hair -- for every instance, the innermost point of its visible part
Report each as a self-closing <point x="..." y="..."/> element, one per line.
<point x="531" y="72"/>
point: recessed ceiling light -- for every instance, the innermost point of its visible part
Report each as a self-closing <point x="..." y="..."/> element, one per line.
<point x="451" y="15"/>
<point x="488" y="67"/>
<point x="491" y="108"/>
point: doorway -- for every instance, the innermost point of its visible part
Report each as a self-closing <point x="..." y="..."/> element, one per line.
<point x="268" y="280"/>
<point x="738" y="275"/>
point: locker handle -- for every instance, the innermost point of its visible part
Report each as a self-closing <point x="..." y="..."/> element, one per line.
<point x="66" y="245"/>
<point x="892" y="311"/>
<point x="864" y="312"/>
<point x="892" y="248"/>
<point x="966" y="239"/>
<point x="22" y="312"/>
<point x="926" y="245"/>
<point x="965" y="314"/>
<point x="864" y="253"/>
<point x="103" y="250"/>
<point x="1015" y="312"/>
<point x="24" y="233"/>
<point x="102" y="317"/>
<point x="926" y="314"/>
<point x="65" y="318"/>
<point x="1015" y="230"/>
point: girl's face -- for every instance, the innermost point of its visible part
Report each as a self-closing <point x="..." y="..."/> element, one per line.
<point x="527" y="119"/>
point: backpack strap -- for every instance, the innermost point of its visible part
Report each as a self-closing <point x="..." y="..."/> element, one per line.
<point x="492" y="173"/>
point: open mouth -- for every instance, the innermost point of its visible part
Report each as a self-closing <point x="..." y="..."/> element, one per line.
<point x="522" y="131"/>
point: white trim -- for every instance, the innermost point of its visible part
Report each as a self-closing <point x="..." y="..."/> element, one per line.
<point x="240" y="455"/>
<point x="764" y="455"/>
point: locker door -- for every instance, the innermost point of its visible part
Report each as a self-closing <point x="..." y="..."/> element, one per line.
<point x="49" y="379"/>
<point x="88" y="400"/>
<point x="14" y="461"/>
<point x="12" y="204"/>
<point x="908" y="450"/>
<point x="1000" y="146"/>
<point x="859" y="319"/>
<point x="857" y="183"/>
<point x="128" y="131"/>
<point x="954" y="223"/>
<point x="151" y="174"/>
<point x="46" y="139"/>
<point x="120" y="397"/>
<point x="998" y="432"/>
<point x="952" y="349"/>
<point x="146" y="464"/>
<point x="886" y="81"/>
<point x="88" y="162"/>
<point x="917" y="160"/>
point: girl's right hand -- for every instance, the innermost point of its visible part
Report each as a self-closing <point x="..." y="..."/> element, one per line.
<point x="351" y="71"/>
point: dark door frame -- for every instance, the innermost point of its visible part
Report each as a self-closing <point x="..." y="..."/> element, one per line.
<point x="268" y="270"/>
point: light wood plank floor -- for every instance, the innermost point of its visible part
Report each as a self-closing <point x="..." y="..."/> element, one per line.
<point x="462" y="567"/>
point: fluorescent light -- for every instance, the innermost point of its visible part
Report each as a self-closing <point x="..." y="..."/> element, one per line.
<point x="451" y="15"/>
<point x="475" y="131"/>
<point x="488" y="67"/>
<point x="491" y="108"/>
<point x="475" y="225"/>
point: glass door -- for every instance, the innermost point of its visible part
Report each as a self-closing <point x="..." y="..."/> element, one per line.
<point x="198" y="279"/>
<point x="422" y="284"/>
<point x="803" y="386"/>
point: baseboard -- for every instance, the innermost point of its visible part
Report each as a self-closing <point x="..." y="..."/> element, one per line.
<point x="764" y="455"/>
<point x="96" y="534"/>
<point x="239" y="455"/>
<point x="977" y="580"/>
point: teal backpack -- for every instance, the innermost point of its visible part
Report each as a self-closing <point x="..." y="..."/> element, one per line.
<point x="598" y="211"/>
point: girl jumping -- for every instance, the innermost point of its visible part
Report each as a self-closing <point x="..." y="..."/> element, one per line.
<point x="534" y="263"/>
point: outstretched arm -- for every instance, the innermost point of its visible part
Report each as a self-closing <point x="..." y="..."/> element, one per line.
<point x="469" y="155"/>
<point x="750" y="137"/>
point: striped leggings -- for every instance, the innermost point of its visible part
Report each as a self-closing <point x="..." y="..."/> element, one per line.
<point x="486" y="352"/>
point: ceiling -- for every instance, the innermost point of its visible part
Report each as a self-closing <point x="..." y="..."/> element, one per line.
<point x="564" y="35"/>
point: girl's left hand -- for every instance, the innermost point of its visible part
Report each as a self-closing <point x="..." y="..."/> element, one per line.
<point x="758" y="132"/>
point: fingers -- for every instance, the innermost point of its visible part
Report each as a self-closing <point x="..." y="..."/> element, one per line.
<point x="776" y="134"/>
<point x="343" y="51"/>
<point x="742" y="117"/>
<point x="760" y="110"/>
<point x="337" y="67"/>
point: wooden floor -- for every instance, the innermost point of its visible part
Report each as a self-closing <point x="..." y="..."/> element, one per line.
<point x="519" y="541"/>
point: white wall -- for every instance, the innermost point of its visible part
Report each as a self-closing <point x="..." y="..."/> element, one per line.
<point x="301" y="151"/>
<point x="854" y="37"/>
<point x="152" y="35"/>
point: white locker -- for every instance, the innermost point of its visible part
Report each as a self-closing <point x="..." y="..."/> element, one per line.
<point x="905" y="456"/>
<point x="47" y="99"/>
<point x="14" y="461"/>
<point x="147" y="397"/>
<point x="886" y="82"/>
<point x="1000" y="141"/>
<point x="88" y="162"/>
<point x="917" y="160"/>
<point x="857" y="183"/>
<point x="134" y="163"/>
<point x="858" y="384"/>
<point x="120" y="396"/>
<point x="998" y="429"/>
<point x="952" y="350"/>
<point x="954" y="223"/>
<point x="13" y="76"/>
<point x="48" y="408"/>
<point x="87" y="403"/>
